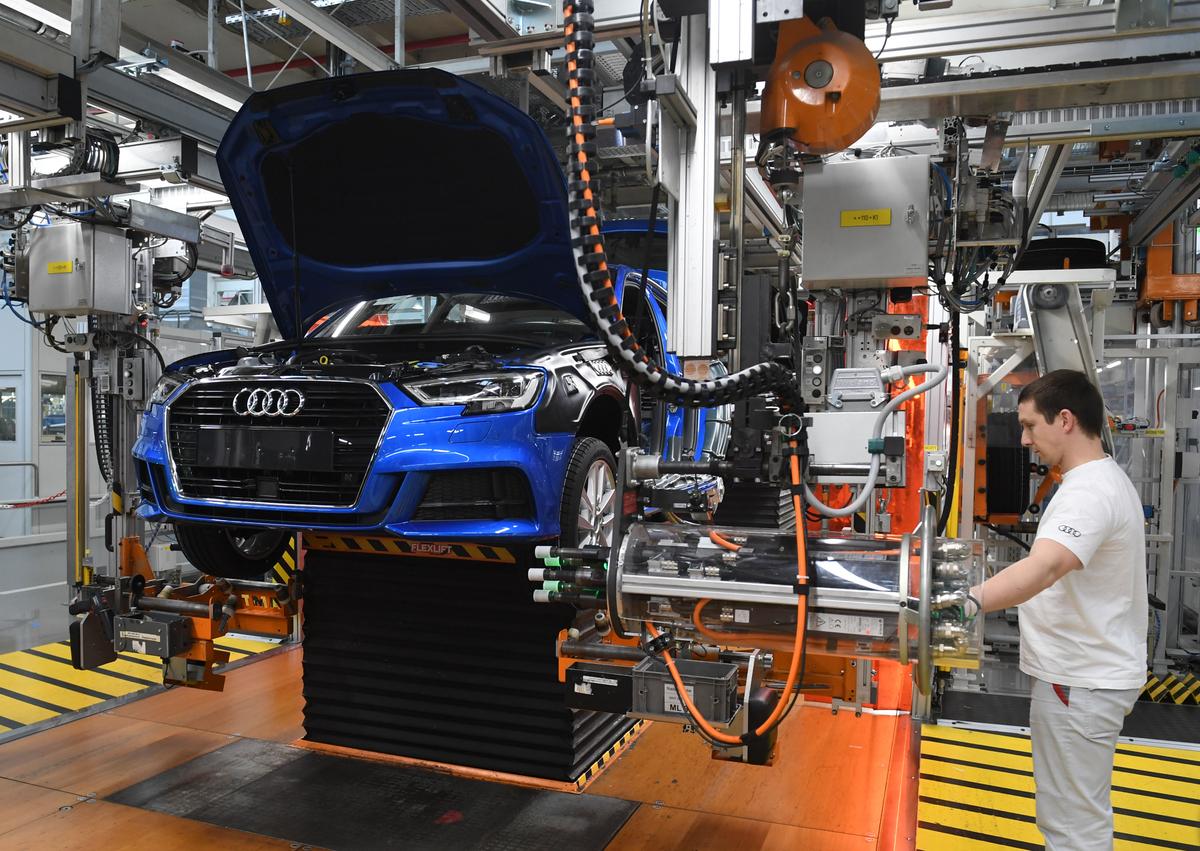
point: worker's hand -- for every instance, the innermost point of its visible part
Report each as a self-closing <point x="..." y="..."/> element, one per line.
<point x="970" y="607"/>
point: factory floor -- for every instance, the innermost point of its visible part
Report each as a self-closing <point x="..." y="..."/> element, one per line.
<point x="838" y="783"/>
<point x="121" y="778"/>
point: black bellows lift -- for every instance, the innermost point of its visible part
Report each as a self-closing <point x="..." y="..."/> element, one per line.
<point x="443" y="660"/>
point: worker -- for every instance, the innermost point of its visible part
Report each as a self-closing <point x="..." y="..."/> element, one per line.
<point x="1081" y="596"/>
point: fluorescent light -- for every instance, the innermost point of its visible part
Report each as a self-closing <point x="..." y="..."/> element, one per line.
<point x="36" y="12"/>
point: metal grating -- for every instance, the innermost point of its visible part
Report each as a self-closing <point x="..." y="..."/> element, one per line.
<point x="392" y="670"/>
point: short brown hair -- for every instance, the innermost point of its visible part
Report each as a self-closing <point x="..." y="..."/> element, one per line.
<point x="1067" y="390"/>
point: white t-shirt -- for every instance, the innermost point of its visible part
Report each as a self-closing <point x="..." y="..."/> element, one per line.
<point x="1088" y="629"/>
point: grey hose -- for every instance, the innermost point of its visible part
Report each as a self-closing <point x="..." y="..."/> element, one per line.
<point x="869" y="488"/>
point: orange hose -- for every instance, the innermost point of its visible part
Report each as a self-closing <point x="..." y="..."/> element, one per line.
<point x="797" y="649"/>
<point x="723" y="542"/>
<point x="730" y="637"/>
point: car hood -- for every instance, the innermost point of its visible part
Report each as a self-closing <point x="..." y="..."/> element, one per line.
<point x="392" y="183"/>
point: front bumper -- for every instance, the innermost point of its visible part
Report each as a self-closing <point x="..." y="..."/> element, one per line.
<point x="417" y="445"/>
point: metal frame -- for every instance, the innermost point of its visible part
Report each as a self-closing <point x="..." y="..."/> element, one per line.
<point x="1168" y="572"/>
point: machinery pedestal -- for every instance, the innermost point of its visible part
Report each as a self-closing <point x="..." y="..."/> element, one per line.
<point x="448" y="661"/>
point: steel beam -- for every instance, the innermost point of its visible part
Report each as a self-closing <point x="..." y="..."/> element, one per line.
<point x="337" y="33"/>
<point x="1174" y="199"/>
<point x="180" y="158"/>
<point x="182" y="64"/>
<point x="486" y="19"/>
<point x="917" y="37"/>
<point x="553" y="39"/>
<point x="1047" y="167"/>
<point x="1055" y="89"/>
<point x="171" y="105"/>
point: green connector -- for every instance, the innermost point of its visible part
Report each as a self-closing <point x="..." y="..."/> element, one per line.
<point x="552" y="561"/>
<point x="875" y="445"/>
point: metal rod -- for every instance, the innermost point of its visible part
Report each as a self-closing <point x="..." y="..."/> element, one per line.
<point x="181" y="607"/>
<point x="246" y="45"/>
<point x="212" y="34"/>
<point x="36" y="485"/>
<point x="737" y="208"/>
<point x="398" y="35"/>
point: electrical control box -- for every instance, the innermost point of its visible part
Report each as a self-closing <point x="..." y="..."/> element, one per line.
<point x="866" y="223"/>
<point x="77" y="268"/>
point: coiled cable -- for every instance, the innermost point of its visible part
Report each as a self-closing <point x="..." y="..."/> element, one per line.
<point x="595" y="277"/>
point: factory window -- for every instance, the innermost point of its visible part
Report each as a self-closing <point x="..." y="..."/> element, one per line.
<point x="8" y="414"/>
<point x="54" y="408"/>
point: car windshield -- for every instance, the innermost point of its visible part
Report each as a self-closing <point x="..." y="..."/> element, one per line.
<point x="452" y="313"/>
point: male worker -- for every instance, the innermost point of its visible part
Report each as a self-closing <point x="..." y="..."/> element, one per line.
<point x="1083" y="611"/>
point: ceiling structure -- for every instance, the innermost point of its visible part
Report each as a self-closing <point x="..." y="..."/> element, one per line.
<point x="1062" y="73"/>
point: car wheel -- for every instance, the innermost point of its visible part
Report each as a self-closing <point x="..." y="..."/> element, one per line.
<point x="231" y="552"/>
<point x="589" y="495"/>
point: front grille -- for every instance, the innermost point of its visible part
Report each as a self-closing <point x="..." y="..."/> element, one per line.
<point x="354" y="413"/>
<point x="496" y="494"/>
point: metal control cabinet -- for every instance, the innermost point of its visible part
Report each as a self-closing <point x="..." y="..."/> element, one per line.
<point x="866" y="223"/>
<point x="76" y="268"/>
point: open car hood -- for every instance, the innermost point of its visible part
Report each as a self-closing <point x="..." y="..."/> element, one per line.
<point x="392" y="183"/>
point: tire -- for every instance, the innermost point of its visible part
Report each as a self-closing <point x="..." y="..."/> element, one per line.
<point x="1080" y="252"/>
<point x="589" y="500"/>
<point x="231" y="552"/>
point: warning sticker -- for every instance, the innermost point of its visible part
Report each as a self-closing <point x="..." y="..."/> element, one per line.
<point x="671" y="701"/>
<point x="866" y="218"/>
<point x="60" y="267"/>
<point x="846" y="624"/>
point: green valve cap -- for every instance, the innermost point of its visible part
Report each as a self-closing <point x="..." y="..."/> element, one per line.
<point x="552" y="561"/>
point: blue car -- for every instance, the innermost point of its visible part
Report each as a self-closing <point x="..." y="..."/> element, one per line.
<point x="447" y="385"/>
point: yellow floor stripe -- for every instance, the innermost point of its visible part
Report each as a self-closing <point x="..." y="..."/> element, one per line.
<point x="1189" y="837"/>
<point x="933" y="747"/>
<point x="1151" y="804"/>
<point x="129" y="669"/>
<point x="87" y="679"/>
<point x="25" y="713"/>
<point x="981" y="774"/>
<point x="1153" y="750"/>
<point x="57" y="695"/>
<point x="928" y="840"/>
<point x="957" y="793"/>
<point x="976" y="737"/>
<point x="1159" y="766"/>
<point x="1007" y="817"/>
<point x="248" y="645"/>
<point x="986" y="824"/>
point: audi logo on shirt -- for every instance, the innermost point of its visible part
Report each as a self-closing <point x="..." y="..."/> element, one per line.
<point x="1073" y="532"/>
<point x="260" y="402"/>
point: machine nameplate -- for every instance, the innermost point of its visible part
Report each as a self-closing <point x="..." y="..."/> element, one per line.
<point x="60" y="267"/>
<point x="866" y="218"/>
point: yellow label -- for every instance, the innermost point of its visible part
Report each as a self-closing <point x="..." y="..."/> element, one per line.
<point x="866" y="218"/>
<point x="60" y="267"/>
<point x="929" y="447"/>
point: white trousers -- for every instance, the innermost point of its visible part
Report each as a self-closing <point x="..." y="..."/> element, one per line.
<point x="1074" y="732"/>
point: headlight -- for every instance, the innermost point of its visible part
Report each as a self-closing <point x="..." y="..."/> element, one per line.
<point x="487" y="393"/>
<point x="167" y="385"/>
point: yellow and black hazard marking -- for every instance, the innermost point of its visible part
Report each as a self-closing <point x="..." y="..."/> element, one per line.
<point x="284" y="569"/>
<point x="976" y="792"/>
<point x="382" y="545"/>
<point x="609" y="755"/>
<point x="39" y="686"/>
<point x="1182" y="689"/>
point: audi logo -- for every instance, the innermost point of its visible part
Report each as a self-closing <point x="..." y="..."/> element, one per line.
<point x="260" y="402"/>
<point x="1075" y="533"/>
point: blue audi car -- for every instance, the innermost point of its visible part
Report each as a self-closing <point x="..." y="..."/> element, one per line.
<point x="438" y="378"/>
